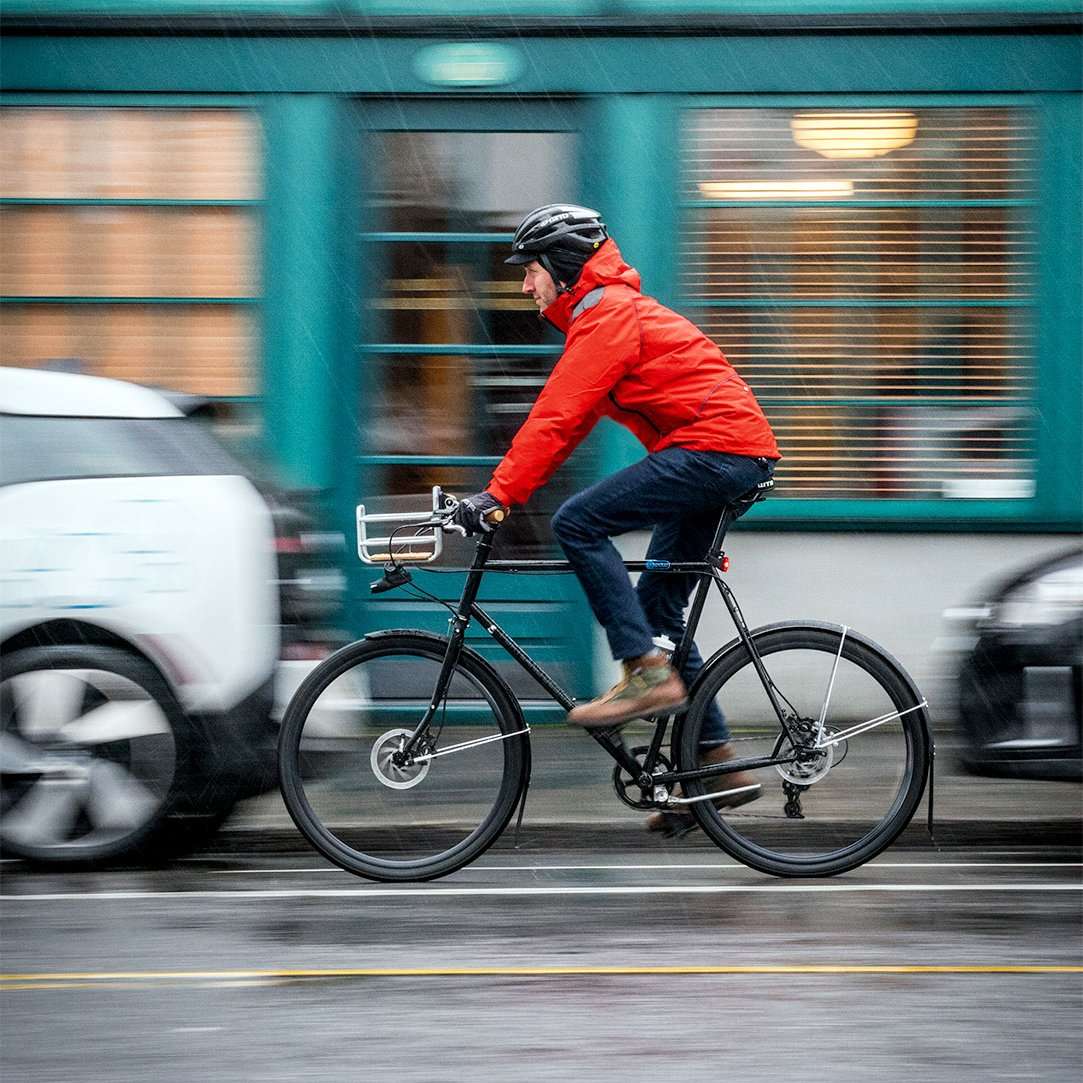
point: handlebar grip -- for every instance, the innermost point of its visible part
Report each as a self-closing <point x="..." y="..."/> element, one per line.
<point x="497" y="515"/>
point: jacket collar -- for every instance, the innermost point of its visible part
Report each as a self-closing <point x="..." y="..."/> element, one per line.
<point x="606" y="267"/>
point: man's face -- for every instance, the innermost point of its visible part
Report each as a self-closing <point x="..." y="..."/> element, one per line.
<point x="538" y="283"/>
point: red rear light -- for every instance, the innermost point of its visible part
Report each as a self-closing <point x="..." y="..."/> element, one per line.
<point x="288" y="545"/>
<point x="725" y="565"/>
<point x="305" y="652"/>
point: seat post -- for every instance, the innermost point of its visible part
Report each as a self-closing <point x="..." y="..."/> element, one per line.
<point x="724" y="523"/>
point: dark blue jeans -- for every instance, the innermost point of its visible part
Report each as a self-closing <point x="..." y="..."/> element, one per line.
<point x="680" y="493"/>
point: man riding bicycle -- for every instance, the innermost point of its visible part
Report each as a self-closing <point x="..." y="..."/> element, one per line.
<point x="630" y="358"/>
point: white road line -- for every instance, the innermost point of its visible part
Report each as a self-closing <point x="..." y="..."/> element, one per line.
<point x="665" y="868"/>
<point x="643" y="889"/>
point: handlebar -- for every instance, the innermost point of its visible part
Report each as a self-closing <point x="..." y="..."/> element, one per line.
<point x="450" y="503"/>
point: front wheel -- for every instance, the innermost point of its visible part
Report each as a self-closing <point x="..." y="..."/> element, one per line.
<point x="856" y="745"/>
<point x="365" y="806"/>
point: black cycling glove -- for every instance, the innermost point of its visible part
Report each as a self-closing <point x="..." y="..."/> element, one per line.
<point x="472" y="510"/>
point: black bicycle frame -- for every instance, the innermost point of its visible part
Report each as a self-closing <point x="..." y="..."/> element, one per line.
<point x="709" y="571"/>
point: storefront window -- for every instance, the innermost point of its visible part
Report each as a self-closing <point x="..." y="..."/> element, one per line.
<point x="457" y="354"/>
<point x="869" y="271"/>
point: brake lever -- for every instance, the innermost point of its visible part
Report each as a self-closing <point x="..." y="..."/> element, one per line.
<point x="449" y="506"/>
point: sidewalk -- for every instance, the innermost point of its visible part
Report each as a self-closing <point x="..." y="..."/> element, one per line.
<point x="572" y="805"/>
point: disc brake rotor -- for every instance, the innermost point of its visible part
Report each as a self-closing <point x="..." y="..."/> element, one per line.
<point x="396" y="776"/>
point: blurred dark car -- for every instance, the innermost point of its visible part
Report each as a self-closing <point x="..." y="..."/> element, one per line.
<point x="1020" y="685"/>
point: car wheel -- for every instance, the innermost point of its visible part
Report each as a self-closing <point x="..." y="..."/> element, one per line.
<point x="94" y="752"/>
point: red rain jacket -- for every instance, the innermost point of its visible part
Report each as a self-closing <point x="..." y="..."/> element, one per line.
<point x="632" y="359"/>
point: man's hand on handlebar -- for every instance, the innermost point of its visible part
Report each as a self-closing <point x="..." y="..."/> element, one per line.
<point x="479" y="513"/>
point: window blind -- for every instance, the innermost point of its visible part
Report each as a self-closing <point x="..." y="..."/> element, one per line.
<point x="869" y="272"/>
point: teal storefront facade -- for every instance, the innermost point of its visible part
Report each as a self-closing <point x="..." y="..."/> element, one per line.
<point x="912" y="323"/>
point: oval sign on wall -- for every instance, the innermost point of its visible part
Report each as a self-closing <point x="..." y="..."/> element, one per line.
<point x="476" y="63"/>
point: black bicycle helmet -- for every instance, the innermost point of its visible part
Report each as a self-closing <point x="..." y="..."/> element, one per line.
<point x="561" y="237"/>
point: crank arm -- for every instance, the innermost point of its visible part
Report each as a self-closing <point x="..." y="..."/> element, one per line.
<point x="673" y="802"/>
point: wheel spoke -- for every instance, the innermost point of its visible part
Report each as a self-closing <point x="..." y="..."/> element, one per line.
<point x="46" y="700"/>
<point x="871" y="724"/>
<point x="470" y="744"/>
<point x="47" y="814"/>
<point x="118" y="799"/>
<point x="830" y="686"/>
<point x="117" y="721"/>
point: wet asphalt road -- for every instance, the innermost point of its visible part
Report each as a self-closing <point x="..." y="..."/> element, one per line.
<point x="198" y="971"/>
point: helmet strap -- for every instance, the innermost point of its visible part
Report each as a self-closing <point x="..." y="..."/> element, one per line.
<point x="543" y="259"/>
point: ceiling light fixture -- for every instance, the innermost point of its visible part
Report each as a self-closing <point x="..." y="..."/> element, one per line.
<point x="865" y="134"/>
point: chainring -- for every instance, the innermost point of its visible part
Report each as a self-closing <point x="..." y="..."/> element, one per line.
<point x="623" y="782"/>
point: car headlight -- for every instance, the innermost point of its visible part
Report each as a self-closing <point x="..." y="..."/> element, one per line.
<point x="1050" y="599"/>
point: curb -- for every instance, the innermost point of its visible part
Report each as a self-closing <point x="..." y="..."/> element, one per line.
<point x="625" y="836"/>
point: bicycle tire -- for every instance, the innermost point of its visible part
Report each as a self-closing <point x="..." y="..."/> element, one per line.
<point x="513" y="768"/>
<point x="730" y="829"/>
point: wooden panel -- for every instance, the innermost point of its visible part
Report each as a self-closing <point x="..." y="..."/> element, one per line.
<point x="35" y="258"/>
<point x="203" y="349"/>
<point x="36" y="163"/>
<point x="184" y="154"/>
<point x="128" y="252"/>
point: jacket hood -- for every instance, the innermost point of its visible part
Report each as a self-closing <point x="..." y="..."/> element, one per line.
<point x="605" y="268"/>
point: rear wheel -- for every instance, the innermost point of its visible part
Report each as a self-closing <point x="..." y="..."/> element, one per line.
<point x="360" y="801"/>
<point x="858" y="752"/>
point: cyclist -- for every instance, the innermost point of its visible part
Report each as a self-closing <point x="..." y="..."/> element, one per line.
<point x="630" y="358"/>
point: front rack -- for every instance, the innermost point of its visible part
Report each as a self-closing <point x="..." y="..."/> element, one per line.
<point x="423" y="546"/>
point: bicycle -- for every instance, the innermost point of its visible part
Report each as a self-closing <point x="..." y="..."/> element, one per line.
<point x="403" y="756"/>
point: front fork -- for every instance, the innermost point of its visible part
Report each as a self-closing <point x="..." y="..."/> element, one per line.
<point x="456" y="638"/>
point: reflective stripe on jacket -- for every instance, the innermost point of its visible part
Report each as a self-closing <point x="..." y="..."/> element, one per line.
<point x="632" y="359"/>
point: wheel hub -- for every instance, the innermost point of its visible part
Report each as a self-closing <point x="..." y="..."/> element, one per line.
<point x="391" y="767"/>
<point x="812" y="764"/>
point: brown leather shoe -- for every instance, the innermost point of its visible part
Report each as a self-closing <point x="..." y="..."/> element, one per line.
<point x="677" y="821"/>
<point x="649" y="687"/>
<point x="723" y="754"/>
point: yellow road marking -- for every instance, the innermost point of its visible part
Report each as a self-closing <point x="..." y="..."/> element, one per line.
<point x="86" y="980"/>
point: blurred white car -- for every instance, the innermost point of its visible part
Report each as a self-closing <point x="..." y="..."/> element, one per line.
<point x="139" y="626"/>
